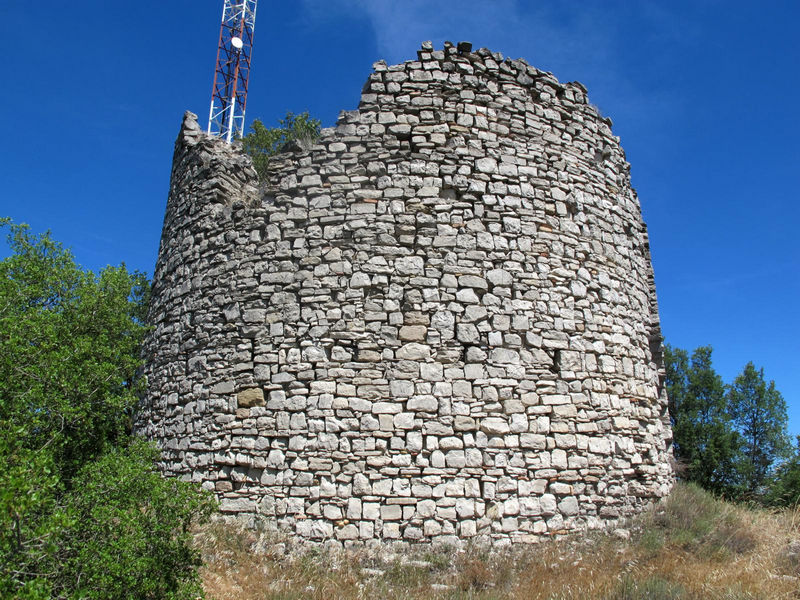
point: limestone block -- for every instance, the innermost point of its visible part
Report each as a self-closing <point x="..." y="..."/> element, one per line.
<point x="413" y="351"/>
<point x="558" y="458"/>
<point x="391" y="512"/>
<point x="504" y="356"/>
<point x="361" y="485"/>
<point x="225" y="387"/>
<point x="467" y="333"/>
<point x="353" y="509"/>
<point x="599" y="446"/>
<point x="250" y="398"/>
<point x="371" y="511"/>
<point x="467" y="528"/>
<point x="529" y="507"/>
<point x="347" y="532"/>
<point x="423" y="403"/>
<point x="237" y="505"/>
<point x="494" y="425"/>
<point x="254" y="315"/>
<point x="409" y="265"/>
<point x="465" y="508"/>
<point x="426" y="508"/>
<point x="467" y="296"/>
<point x="386" y="408"/>
<point x="473" y="457"/>
<point x="548" y="505"/>
<point x="360" y="280"/>
<point x="391" y="531"/>
<point x="455" y="459"/>
<point x="473" y="281"/>
<point x="403" y="421"/>
<point x="568" y="506"/>
<point x="414" y="441"/>
<point x="486" y="165"/>
<point x="499" y="277"/>
<point x="332" y="512"/>
<point x="463" y="423"/>
<point x="431" y="371"/>
<point x="413" y="333"/>
<point x="533" y="441"/>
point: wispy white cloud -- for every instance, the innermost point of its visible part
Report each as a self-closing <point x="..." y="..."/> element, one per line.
<point x="401" y="25"/>
<point x="515" y="27"/>
<point x="587" y="42"/>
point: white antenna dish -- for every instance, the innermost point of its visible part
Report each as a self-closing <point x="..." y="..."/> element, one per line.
<point x="237" y="43"/>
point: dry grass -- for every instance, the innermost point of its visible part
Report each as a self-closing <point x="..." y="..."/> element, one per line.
<point x="690" y="547"/>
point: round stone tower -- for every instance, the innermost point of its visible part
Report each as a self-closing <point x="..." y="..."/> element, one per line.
<point x="438" y="323"/>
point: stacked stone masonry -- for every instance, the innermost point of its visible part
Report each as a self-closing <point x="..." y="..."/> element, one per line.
<point x="437" y="324"/>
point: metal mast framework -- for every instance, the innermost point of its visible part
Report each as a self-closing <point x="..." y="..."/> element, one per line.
<point x="229" y="92"/>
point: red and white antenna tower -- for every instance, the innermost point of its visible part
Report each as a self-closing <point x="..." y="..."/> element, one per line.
<point x="229" y="92"/>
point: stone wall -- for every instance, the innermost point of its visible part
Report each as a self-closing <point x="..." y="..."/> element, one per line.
<point x="438" y="323"/>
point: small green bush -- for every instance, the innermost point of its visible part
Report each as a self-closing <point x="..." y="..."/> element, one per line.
<point x="129" y="535"/>
<point x="262" y="142"/>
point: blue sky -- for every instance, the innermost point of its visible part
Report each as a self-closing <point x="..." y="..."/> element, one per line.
<point x="703" y="94"/>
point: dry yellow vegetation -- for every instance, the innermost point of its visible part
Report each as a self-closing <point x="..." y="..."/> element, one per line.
<point x="690" y="546"/>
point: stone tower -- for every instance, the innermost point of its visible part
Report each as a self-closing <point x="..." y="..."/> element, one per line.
<point x="437" y="323"/>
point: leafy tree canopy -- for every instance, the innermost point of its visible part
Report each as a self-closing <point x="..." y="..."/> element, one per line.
<point x="72" y="477"/>
<point x="262" y="142"/>
<point x="705" y="442"/>
<point x="758" y="411"/>
<point x="730" y="439"/>
<point x="69" y="344"/>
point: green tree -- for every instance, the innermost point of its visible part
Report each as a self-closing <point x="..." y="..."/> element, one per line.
<point x="784" y="485"/>
<point x="262" y="142"/>
<point x="69" y="349"/>
<point x="758" y="411"/>
<point x="69" y="353"/>
<point x="704" y="440"/>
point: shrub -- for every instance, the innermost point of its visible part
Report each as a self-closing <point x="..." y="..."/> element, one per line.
<point x="129" y="535"/>
<point x="262" y="142"/>
<point x="83" y="512"/>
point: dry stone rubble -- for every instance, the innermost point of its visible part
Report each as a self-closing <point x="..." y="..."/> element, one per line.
<point x="437" y="324"/>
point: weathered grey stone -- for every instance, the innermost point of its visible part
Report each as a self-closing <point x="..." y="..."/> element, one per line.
<point x="499" y="277"/>
<point x="486" y="165"/>
<point x="504" y="356"/>
<point x="360" y="280"/>
<point x="423" y="403"/>
<point x="467" y="333"/>
<point x="463" y="423"/>
<point x="413" y="351"/>
<point x="494" y="425"/>
<point x="414" y="333"/>
<point x="447" y="304"/>
<point x="223" y="387"/>
<point x="409" y="265"/>
<point x="467" y="296"/>
<point x="568" y="506"/>
<point x="472" y="281"/>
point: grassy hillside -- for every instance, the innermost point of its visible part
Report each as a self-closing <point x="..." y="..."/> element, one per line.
<point x="691" y="546"/>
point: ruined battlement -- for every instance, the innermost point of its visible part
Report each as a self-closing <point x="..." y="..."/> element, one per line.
<point x="439" y="323"/>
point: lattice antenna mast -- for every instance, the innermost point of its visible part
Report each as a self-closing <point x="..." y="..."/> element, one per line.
<point x="229" y="92"/>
